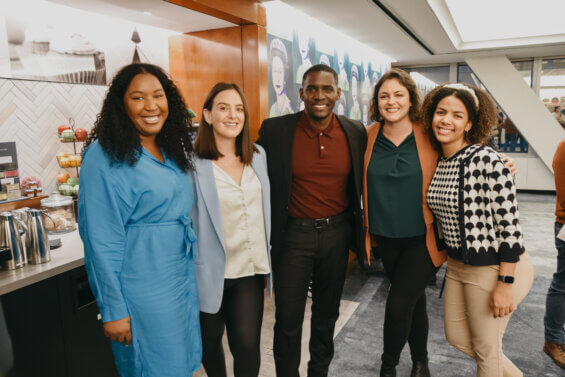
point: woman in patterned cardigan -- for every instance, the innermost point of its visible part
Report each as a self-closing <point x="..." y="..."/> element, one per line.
<point x="473" y="198"/>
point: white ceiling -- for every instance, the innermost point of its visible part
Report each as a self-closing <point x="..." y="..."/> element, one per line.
<point x="365" y="21"/>
<point x="359" y="19"/>
<point x="164" y="14"/>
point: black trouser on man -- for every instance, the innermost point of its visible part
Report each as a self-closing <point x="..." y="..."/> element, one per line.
<point x="315" y="250"/>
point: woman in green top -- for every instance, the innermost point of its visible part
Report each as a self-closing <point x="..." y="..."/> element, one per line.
<point x="399" y="164"/>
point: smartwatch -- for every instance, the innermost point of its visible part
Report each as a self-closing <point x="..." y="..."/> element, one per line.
<point x="508" y="279"/>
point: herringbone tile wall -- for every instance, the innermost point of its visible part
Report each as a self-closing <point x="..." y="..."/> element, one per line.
<point x="31" y="111"/>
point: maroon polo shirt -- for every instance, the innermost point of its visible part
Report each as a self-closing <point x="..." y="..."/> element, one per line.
<point x="321" y="163"/>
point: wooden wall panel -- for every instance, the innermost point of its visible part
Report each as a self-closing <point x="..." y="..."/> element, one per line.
<point x="205" y="58"/>
<point x="255" y="75"/>
<point x="177" y="66"/>
<point x="241" y="12"/>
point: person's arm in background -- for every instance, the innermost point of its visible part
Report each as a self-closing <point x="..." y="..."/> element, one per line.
<point x="559" y="175"/>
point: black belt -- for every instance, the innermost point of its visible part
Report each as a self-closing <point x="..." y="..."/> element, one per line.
<point x="321" y="222"/>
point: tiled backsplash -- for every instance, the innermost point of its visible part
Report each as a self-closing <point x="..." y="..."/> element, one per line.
<point x="31" y="111"/>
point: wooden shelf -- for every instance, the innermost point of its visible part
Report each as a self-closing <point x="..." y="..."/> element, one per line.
<point x="11" y="205"/>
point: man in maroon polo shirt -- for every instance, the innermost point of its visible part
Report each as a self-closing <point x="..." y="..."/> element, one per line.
<point x="315" y="162"/>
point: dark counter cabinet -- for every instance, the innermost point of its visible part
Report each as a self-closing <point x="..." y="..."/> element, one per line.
<point x="55" y="329"/>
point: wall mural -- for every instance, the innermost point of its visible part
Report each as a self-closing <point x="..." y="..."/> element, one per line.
<point x="45" y="41"/>
<point x="292" y="54"/>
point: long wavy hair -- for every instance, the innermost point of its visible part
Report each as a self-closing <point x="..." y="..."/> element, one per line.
<point x="117" y="134"/>
<point x="404" y="78"/>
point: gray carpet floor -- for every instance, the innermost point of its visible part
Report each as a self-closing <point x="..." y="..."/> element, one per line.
<point x="358" y="346"/>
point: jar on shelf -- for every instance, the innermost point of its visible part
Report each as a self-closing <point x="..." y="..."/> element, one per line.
<point x="60" y="208"/>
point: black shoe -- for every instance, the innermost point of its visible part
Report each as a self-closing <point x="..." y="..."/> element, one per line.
<point x="420" y="369"/>
<point x="388" y="371"/>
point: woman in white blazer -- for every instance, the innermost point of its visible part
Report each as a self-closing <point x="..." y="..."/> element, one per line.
<point x="232" y="223"/>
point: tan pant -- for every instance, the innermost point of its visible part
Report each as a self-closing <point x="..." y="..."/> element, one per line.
<point x="469" y="324"/>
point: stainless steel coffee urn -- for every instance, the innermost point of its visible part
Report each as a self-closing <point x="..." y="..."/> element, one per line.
<point x="37" y="242"/>
<point x="10" y="238"/>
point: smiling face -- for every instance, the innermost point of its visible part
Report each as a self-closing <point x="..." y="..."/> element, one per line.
<point x="146" y="105"/>
<point x="277" y="75"/>
<point x="227" y="115"/>
<point x="449" y="124"/>
<point x="341" y="60"/>
<point x="393" y="101"/>
<point x="319" y="93"/>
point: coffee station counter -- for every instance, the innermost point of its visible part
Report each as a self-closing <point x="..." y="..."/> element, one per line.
<point x="65" y="258"/>
<point x="50" y="307"/>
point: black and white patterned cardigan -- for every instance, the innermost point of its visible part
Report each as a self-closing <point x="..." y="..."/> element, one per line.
<point x="488" y="210"/>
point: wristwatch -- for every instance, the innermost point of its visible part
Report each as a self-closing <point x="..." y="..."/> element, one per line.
<point x="508" y="279"/>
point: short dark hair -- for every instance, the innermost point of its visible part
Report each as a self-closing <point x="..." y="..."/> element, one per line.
<point x="320" y="68"/>
<point x="205" y="144"/>
<point x="482" y="118"/>
<point x="117" y="134"/>
<point x="404" y="78"/>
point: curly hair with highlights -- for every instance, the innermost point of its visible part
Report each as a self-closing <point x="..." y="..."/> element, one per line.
<point x="117" y="134"/>
<point x="483" y="118"/>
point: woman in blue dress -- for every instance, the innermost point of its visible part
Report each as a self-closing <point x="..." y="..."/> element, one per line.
<point x="134" y="204"/>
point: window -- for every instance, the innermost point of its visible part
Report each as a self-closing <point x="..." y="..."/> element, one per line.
<point x="552" y="87"/>
<point x="525" y="68"/>
<point x="505" y="137"/>
<point x="427" y="78"/>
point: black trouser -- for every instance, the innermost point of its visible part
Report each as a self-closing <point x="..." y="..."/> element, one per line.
<point x="242" y="314"/>
<point x="309" y="253"/>
<point x="409" y="268"/>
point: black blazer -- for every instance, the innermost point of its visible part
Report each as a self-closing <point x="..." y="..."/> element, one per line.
<point x="276" y="136"/>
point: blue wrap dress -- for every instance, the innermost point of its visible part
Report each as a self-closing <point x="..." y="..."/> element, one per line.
<point x="139" y="255"/>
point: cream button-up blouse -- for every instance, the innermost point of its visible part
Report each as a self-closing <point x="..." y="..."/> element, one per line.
<point x="241" y="209"/>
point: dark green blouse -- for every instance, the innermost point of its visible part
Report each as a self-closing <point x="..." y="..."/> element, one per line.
<point x="394" y="189"/>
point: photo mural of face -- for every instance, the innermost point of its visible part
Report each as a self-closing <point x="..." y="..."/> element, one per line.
<point x="304" y="51"/>
<point x="355" y="108"/>
<point x="279" y="68"/>
<point x="325" y="59"/>
<point x="366" y="91"/>
<point x="341" y="105"/>
<point x="366" y="87"/>
<point x="292" y="53"/>
<point x="342" y="68"/>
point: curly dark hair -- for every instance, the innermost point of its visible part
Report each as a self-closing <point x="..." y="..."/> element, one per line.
<point x="404" y="78"/>
<point x="482" y="118"/>
<point x="117" y="134"/>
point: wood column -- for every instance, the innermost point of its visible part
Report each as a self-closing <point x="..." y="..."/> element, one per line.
<point x="201" y="59"/>
<point x="255" y="74"/>
<point x="236" y="54"/>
